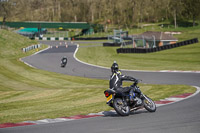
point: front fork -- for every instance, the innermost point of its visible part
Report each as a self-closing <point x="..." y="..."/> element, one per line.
<point x="145" y="97"/>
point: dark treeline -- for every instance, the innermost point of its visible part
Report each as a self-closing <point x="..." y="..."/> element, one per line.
<point x="119" y="12"/>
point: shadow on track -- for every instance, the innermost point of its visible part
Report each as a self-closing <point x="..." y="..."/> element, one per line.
<point x="114" y="114"/>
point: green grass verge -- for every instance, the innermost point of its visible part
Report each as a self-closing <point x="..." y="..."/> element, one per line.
<point x="31" y="94"/>
<point x="182" y="58"/>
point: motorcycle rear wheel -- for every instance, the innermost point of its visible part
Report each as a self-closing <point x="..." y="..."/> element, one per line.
<point x="121" y="107"/>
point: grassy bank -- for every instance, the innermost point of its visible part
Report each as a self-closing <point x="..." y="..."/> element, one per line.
<point x="182" y="58"/>
<point x="30" y="94"/>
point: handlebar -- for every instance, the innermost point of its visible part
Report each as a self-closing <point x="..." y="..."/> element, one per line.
<point x="136" y="82"/>
<point x="139" y="80"/>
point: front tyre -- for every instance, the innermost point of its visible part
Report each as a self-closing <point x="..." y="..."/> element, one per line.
<point x="149" y="104"/>
<point x="121" y="107"/>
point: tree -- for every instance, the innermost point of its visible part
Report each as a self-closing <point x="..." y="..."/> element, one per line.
<point x="176" y="8"/>
<point x="5" y="11"/>
<point x="124" y="13"/>
<point x="192" y="9"/>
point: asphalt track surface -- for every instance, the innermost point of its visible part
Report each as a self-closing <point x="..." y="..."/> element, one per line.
<point x="180" y="117"/>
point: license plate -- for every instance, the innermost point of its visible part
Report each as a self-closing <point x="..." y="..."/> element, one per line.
<point x="109" y="98"/>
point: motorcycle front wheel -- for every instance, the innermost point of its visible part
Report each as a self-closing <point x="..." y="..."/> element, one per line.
<point x="121" y="107"/>
<point x="149" y="104"/>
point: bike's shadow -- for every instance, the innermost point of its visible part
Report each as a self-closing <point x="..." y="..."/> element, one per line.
<point x="113" y="113"/>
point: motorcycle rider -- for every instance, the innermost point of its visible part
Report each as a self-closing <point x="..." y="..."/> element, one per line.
<point x="116" y="82"/>
<point x="64" y="61"/>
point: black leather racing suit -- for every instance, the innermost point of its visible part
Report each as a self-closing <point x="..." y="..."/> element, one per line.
<point x="116" y="82"/>
<point x="64" y="60"/>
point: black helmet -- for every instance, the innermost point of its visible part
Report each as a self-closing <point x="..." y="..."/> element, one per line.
<point x="114" y="67"/>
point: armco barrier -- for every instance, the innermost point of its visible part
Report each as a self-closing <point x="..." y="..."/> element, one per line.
<point x="31" y="47"/>
<point x="77" y="38"/>
<point x="51" y="38"/>
<point x="150" y="50"/>
<point x="66" y="38"/>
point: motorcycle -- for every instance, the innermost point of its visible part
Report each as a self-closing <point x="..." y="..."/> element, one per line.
<point x="63" y="62"/>
<point x="122" y="104"/>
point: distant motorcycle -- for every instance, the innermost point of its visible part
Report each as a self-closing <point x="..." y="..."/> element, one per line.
<point x="122" y="104"/>
<point x="63" y="61"/>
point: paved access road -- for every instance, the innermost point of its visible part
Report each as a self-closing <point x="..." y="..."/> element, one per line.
<point x="181" y="117"/>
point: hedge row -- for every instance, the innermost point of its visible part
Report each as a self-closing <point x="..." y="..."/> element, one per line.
<point x="92" y="38"/>
<point x="112" y="44"/>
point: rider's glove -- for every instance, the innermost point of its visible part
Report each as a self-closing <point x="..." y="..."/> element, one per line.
<point x="133" y="79"/>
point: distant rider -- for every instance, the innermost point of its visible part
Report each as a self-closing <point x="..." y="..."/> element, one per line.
<point x="64" y="61"/>
<point x="116" y="82"/>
